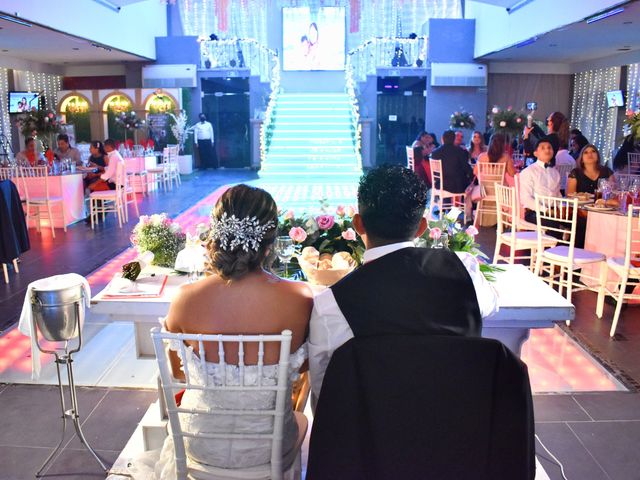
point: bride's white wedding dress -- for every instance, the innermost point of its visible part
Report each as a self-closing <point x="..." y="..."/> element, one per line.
<point x="220" y="453"/>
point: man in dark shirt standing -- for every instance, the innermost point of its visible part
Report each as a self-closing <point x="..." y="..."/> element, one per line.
<point x="456" y="171"/>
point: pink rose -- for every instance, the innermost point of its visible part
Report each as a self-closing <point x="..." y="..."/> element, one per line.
<point x="134" y="239"/>
<point x="289" y="215"/>
<point x="471" y="230"/>
<point x="349" y="234"/>
<point x="340" y="211"/>
<point x="325" y="222"/>
<point x="350" y="211"/>
<point x="435" y="233"/>
<point x="51" y="115"/>
<point x="298" y="234"/>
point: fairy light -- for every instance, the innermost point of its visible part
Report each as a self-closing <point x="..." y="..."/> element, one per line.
<point x="5" y="120"/>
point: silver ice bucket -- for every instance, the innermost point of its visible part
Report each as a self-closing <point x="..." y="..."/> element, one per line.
<point x="58" y="313"/>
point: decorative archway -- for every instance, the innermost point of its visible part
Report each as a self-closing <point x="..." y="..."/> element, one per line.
<point x="75" y="110"/>
<point x="114" y="104"/>
<point x="160" y="102"/>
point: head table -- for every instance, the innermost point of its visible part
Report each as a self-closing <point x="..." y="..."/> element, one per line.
<point x="525" y="302"/>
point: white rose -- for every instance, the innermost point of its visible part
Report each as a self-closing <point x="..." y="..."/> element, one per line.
<point x="495" y="110"/>
<point x="503" y="124"/>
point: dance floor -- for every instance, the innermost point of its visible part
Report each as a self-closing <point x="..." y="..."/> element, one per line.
<point x="556" y="362"/>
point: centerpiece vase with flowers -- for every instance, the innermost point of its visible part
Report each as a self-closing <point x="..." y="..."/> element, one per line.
<point x="328" y="246"/>
<point x="462" y="120"/>
<point x="508" y="121"/>
<point x="161" y="236"/>
<point x="43" y="125"/>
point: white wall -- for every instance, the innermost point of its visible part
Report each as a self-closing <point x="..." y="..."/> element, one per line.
<point x="496" y="29"/>
<point x="132" y="30"/>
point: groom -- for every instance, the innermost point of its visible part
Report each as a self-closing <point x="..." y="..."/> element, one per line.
<point x="400" y="289"/>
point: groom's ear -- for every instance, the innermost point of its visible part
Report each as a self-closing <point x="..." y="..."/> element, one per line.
<point x="358" y="225"/>
<point x="422" y="227"/>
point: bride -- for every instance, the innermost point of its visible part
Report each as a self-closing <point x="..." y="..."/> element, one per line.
<point x="239" y="296"/>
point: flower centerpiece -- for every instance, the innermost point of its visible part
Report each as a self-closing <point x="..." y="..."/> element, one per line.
<point x="45" y="123"/>
<point x="329" y="246"/>
<point x="449" y="233"/>
<point x="508" y="122"/>
<point x="161" y="236"/>
<point x="462" y="120"/>
<point x="632" y="123"/>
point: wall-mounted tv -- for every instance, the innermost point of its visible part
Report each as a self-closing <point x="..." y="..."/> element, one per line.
<point x="313" y="40"/>
<point x="20" y="102"/>
<point x="615" y="99"/>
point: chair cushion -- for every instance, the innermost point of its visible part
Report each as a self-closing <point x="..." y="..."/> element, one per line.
<point x="529" y="237"/>
<point x="108" y="194"/>
<point x="617" y="264"/>
<point x="43" y="200"/>
<point x="580" y="255"/>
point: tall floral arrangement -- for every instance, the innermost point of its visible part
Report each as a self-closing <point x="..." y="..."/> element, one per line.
<point x="326" y="232"/>
<point x="161" y="236"/>
<point x="44" y="123"/>
<point x="129" y="122"/>
<point x="180" y="129"/>
<point x="632" y="122"/>
<point x="507" y="121"/>
<point x="462" y="120"/>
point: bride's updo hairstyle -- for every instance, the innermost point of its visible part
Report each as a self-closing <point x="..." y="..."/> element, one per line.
<point x="243" y="228"/>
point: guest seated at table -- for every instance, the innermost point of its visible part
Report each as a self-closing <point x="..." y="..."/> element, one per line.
<point x="476" y="146"/>
<point x="459" y="140"/>
<point x="421" y="150"/>
<point x="107" y="180"/>
<point x="239" y="296"/>
<point x="499" y="153"/>
<point x="400" y="289"/>
<point x="539" y="177"/>
<point x="30" y="157"/>
<point x="67" y="152"/>
<point x="97" y="162"/>
<point x="576" y="144"/>
<point x="456" y="171"/>
<point x="589" y="169"/>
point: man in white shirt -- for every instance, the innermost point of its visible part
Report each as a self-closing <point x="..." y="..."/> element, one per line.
<point x="203" y="133"/>
<point x="107" y="180"/>
<point x="400" y="289"/>
<point x="539" y="177"/>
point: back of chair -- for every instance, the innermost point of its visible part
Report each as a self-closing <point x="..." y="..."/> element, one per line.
<point x="436" y="173"/>
<point x="406" y="406"/>
<point x="633" y="163"/>
<point x="39" y="182"/>
<point x="121" y="176"/>
<point x="490" y="175"/>
<point x="564" y="169"/>
<point x="8" y="173"/>
<point x="193" y="381"/>
<point x="632" y="243"/>
<point x="506" y="209"/>
<point x="411" y="165"/>
<point x="559" y="215"/>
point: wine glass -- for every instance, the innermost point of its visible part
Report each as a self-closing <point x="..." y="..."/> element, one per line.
<point x="285" y="249"/>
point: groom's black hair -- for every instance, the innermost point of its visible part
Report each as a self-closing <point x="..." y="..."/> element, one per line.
<point x="391" y="202"/>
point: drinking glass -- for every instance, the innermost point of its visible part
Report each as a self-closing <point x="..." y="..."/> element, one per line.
<point x="284" y="250"/>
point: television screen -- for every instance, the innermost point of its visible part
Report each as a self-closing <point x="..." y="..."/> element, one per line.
<point x="614" y="99"/>
<point x="313" y="40"/>
<point x="23" y="101"/>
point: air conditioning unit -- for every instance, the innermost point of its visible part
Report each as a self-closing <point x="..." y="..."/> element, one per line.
<point x="458" y="75"/>
<point x="168" y="76"/>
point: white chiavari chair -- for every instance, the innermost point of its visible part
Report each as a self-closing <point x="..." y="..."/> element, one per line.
<point x="633" y="163"/>
<point x="411" y="164"/>
<point x="440" y="198"/>
<point x="489" y="175"/>
<point x="105" y="201"/>
<point x="564" y="169"/>
<point x="34" y="182"/>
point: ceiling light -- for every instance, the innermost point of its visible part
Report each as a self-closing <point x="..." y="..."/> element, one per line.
<point x="603" y="15"/>
<point x="553" y="44"/>
<point x="109" y="5"/>
<point x="75" y="48"/>
<point x="9" y="18"/>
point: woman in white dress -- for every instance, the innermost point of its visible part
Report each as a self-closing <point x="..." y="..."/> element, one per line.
<point x="239" y="296"/>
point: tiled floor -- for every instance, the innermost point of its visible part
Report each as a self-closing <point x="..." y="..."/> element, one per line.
<point x="595" y="435"/>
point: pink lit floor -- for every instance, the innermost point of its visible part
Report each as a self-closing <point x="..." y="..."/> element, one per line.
<point x="556" y="363"/>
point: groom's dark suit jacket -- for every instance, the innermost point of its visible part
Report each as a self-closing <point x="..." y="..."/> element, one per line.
<point x="410" y="291"/>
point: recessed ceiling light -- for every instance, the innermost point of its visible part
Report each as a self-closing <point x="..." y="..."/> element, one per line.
<point x="75" y="48"/>
<point x="627" y="23"/>
<point x="4" y="50"/>
<point x="626" y="49"/>
<point x="553" y="44"/>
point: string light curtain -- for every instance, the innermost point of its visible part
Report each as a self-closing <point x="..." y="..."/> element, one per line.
<point x="589" y="111"/>
<point x="366" y="18"/>
<point x="49" y="84"/>
<point x="5" y="121"/>
<point x="633" y="87"/>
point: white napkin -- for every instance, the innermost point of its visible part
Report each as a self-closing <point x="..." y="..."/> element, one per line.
<point x="57" y="282"/>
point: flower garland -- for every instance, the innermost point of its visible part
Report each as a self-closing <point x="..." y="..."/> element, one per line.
<point x="463" y="120"/>
<point x="356" y="128"/>
<point x="507" y="121"/>
<point x="266" y="129"/>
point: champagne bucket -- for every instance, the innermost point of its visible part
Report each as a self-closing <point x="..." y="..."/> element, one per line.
<point x="55" y="312"/>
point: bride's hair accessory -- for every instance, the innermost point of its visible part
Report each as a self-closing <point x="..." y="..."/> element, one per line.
<point x="234" y="232"/>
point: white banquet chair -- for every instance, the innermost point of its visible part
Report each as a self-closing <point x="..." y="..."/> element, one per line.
<point x="633" y="163"/>
<point x="180" y="417"/>
<point x="489" y="176"/>
<point x="564" y="169"/>
<point x="441" y="198"/>
<point x="130" y="197"/>
<point x="42" y="201"/>
<point x="105" y="201"/>
<point x="159" y="175"/>
<point x="560" y="215"/>
<point x="411" y="164"/>
<point x="508" y="233"/>
<point x="626" y="268"/>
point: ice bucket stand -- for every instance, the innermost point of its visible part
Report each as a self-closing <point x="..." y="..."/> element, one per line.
<point x="57" y="315"/>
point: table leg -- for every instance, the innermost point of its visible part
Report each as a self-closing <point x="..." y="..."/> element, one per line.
<point x="512" y="338"/>
<point x="144" y="344"/>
